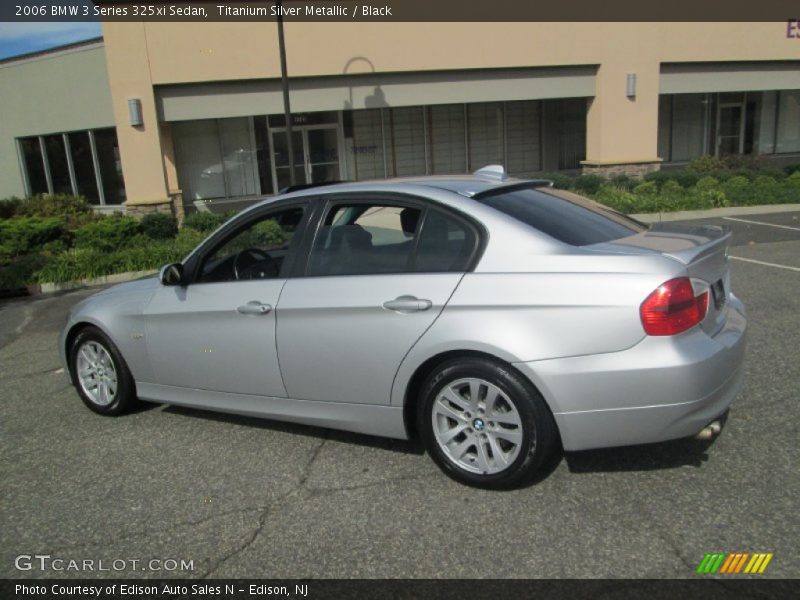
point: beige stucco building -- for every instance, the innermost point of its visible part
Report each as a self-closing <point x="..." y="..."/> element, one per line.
<point x="381" y="100"/>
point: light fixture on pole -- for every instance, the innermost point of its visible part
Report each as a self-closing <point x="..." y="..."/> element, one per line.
<point x="135" y="112"/>
<point x="630" y="87"/>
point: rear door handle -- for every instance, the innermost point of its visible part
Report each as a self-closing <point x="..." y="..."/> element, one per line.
<point x="408" y="304"/>
<point x="254" y="307"/>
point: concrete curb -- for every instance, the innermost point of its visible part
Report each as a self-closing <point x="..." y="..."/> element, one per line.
<point x="50" y="288"/>
<point x="710" y="213"/>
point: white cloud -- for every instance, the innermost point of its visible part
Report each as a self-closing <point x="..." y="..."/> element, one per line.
<point x="51" y="33"/>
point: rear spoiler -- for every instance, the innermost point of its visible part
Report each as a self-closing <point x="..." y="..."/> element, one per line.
<point x="708" y="239"/>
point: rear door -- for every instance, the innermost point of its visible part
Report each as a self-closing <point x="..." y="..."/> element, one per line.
<point x="379" y="271"/>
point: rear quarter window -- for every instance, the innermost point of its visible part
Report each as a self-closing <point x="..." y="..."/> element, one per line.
<point x="565" y="216"/>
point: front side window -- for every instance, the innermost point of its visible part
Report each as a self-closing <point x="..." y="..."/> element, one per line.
<point x="257" y="251"/>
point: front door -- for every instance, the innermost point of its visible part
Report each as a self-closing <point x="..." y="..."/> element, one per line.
<point x="730" y="129"/>
<point x="218" y="332"/>
<point x="316" y="155"/>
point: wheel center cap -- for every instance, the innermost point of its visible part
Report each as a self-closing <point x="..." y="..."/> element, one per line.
<point x="478" y="424"/>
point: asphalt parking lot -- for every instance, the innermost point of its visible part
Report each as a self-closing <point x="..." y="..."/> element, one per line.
<point x="242" y="497"/>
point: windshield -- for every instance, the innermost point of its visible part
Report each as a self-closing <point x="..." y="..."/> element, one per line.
<point x="562" y="215"/>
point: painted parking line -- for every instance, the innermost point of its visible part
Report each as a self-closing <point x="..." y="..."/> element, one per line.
<point x="761" y="223"/>
<point x="766" y="264"/>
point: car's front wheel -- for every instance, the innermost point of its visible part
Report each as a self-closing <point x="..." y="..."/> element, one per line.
<point x="484" y="424"/>
<point x="100" y="374"/>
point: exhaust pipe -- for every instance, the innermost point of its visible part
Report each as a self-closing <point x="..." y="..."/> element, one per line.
<point x="710" y="431"/>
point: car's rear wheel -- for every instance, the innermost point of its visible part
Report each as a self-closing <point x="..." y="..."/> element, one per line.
<point x="484" y="424"/>
<point x="100" y="374"/>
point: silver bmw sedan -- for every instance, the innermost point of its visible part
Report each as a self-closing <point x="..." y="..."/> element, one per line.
<point x="494" y="318"/>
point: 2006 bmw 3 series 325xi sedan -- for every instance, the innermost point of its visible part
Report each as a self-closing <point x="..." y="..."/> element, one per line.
<point x="495" y="318"/>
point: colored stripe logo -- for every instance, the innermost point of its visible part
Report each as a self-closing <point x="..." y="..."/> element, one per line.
<point x="734" y="563"/>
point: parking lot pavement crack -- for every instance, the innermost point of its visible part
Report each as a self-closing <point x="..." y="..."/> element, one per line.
<point x="322" y="491"/>
<point x="671" y="545"/>
<point x="288" y="497"/>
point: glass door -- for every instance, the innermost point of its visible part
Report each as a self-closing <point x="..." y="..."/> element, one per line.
<point x="730" y="129"/>
<point x="280" y="158"/>
<point x="316" y="155"/>
<point x="322" y="153"/>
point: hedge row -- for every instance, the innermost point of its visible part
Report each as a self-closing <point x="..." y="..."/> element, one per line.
<point x="59" y="238"/>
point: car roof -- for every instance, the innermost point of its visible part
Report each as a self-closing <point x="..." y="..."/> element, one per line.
<point x="464" y="185"/>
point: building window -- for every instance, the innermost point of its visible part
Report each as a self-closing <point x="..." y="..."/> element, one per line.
<point x="363" y="132"/>
<point x="76" y="162"/>
<point x="523" y="137"/>
<point x="57" y="161"/>
<point x="81" y="148"/>
<point x="406" y="133"/>
<point x="787" y="134"/>
<point x="110" y="165"/>
<point x="447" y="139"/>
<point x="218" y="158"/>
<point x="690" y="125"/>
<point x="34" y="166"/>
<point x="485" y="134"/>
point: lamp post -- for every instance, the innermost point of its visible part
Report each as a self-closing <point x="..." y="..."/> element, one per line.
<point x="287" y="110"/>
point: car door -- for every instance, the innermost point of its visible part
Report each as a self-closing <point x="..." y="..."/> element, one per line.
<point x="217" y="332"/>
<point x="379" y="272"/>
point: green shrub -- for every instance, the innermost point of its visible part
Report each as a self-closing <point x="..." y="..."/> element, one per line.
<point x="646" y="188"/>
<point x="9" y="207"/>
<point x="21" y="270"/>
<point x="204" y="222"/>
<point x="791" y="169"/>
<point x="625" y="182"/>
<point x="144" y="254"/>
<point x="707" y="183"/>
<point x="710" y="198"/>
<point x="587" y="184"/>
<point x="617" y="198"/>
<point x="706" y="164"/>
<point x="56" y="205"/>
<point x="23" y="235"/>
<point x="108" y="234"/>
<point x="159" y="226"/>
<point x="686" y="179"/>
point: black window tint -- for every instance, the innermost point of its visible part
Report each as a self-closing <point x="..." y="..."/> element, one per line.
<point x="445" y="244"/>
<point x="361" y="239"/>
<point x="564" y="216"/>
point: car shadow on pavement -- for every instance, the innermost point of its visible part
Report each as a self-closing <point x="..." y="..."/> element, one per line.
<point x="687" y="452"/>
<point x="401" y="446"/>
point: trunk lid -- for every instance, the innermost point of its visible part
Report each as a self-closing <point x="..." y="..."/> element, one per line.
<point x="702" y="249"/>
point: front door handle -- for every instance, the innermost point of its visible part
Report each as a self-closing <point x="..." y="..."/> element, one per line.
<point x="254" y="307"/>
<point x="408" y="304"/>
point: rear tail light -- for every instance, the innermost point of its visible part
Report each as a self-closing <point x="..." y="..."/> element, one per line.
<point x="673" y="308"/>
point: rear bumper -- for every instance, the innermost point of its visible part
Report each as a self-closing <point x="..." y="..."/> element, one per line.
<point x="660" y="389"/>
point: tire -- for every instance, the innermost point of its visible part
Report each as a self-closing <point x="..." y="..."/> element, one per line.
<point x="499" y="442"/>
<point x="95" y="356"/>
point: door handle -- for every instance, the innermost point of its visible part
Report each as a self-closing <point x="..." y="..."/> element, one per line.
<point x="408" y="304"/>
<point x="254" y="307"/>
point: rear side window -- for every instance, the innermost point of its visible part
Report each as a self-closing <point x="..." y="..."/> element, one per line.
<point x="567" y="217"/>
<point x="445" y="244"/>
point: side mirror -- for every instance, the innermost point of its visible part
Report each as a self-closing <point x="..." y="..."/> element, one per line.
<point x="171" y="274"/>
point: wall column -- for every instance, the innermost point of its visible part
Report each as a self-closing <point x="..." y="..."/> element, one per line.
<point x="140" y="146"/>
<point x="622" y="131"/>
